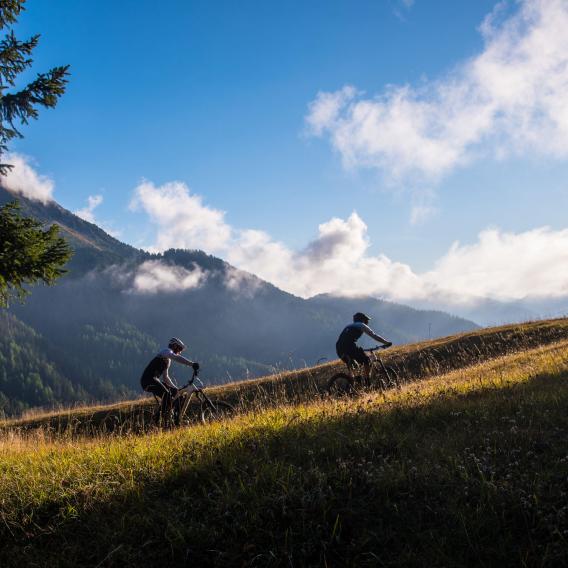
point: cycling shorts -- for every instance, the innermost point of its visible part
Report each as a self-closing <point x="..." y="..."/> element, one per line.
<point x="350" y="353"/>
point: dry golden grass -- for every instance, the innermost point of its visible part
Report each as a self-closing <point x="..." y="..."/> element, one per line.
<point x="463" y="468"/>
<point x="413" y="361"/>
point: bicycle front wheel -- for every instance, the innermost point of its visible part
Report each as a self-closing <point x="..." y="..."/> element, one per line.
<point x="215" y="410"/>
<point x="340" y="384"/>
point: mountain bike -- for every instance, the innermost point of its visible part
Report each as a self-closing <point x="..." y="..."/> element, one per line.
<point x="380" y="375"/>
<point x="209" y="409"/>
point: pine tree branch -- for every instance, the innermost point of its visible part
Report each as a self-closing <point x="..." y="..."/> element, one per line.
<point x="14" y="57"/>
<point x="9" y="11"/>
<point x="21" y="106"/>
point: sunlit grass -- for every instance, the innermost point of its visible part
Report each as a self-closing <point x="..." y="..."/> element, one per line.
<point x="415" y="361"/>
<point x="463" y="468"/>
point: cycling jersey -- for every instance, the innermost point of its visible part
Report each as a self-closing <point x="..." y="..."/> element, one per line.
<point x="158" y="367"/>
<point x="346" y="346"/>
<point x="354" y="331"/>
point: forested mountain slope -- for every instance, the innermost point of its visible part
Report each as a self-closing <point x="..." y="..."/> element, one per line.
<point x="101" y="323"/>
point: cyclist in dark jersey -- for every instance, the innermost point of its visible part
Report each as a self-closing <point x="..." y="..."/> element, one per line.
<point x="155" y="378"/>
<point x="347" y="348"/>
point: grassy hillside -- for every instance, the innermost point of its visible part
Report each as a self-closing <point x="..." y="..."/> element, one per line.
<point x="414" y="361"/>
<point x="462" y="467"/>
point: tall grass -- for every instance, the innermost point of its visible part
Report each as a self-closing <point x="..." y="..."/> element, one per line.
<point x="416" y="361"/>
<point x="464" y="468"/>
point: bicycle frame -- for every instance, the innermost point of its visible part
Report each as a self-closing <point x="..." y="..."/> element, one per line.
<point x="188" y="391"/>
<point x="375" y="361"/>
<point x="384" y="377"/>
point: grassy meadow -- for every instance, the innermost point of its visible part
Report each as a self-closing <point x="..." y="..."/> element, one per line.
<point x="465" y="465"/>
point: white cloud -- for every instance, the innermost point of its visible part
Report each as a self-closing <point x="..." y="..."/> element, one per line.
<point x="242" y="282"/>
<point x="503" y="266"/>
<point x="506" y="266"/>
<point x="336" y="261"/>
<point x="421" y="213"/>
<point x="326" y="108"/>
<point x="23" y="179"/>
<point x="508" y="100"/>
<point x="183" y="219"/>
<point x="155" y="276"/>
<point x="87" y="213"/>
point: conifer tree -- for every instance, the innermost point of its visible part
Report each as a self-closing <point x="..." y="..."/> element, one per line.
<point x="28" y="253"/>
<point x="20" y="106"/>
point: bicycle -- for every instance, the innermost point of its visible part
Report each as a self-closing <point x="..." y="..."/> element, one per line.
<point x="382" y="375"/>
<point x="209" y="410"/>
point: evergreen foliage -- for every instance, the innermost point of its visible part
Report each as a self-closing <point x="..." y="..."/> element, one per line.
<point x="15" y="58"/>
<point x="28" y="377"/>
<point x="28" y="253"/>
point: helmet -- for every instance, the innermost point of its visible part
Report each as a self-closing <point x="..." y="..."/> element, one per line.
<point x="175" y="342"/>
<point x="360" y="316"/>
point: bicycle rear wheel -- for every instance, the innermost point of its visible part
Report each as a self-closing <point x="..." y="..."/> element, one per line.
<point x="340" y="384"/>
<point x="215" y="410"/>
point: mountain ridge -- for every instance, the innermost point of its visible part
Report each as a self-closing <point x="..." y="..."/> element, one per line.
<point x="117" y="305"/>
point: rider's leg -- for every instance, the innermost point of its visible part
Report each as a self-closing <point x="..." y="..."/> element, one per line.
<point x="348" y="354"/>
<point x="351" y="365"/>
<point x="159" y="389"/>
<point x="176" y="406"/>
<point x="166" y="405"/>
<point x="362" y="358"/>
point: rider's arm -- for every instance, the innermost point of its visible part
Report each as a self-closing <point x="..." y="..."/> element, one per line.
<point x="366" y="329"/>
<point x="180" y="359"/>
<point x="167" y="380"/>
<point x="169" y="354"/>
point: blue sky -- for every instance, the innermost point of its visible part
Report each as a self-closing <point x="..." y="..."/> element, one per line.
<point x="221" y="96"/>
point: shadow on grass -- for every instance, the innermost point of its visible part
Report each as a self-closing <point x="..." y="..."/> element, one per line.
<point x="476" y="479"/>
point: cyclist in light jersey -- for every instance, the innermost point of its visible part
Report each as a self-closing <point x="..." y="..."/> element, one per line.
<point x="347" y="348"/>
<point x="156" y="379"/>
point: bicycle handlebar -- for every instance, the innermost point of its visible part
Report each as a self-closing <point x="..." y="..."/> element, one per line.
<point x="377" y="348"/>
<point x="192" y="380"/>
